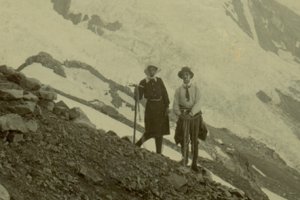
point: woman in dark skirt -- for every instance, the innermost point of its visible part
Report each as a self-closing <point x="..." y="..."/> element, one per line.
<point x="154" y="91"/>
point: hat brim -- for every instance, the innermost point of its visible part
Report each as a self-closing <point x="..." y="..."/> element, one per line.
<point x="180" y="74"/>
<point x="147" y="69"/>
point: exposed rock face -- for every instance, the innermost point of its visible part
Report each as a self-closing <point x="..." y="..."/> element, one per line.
<point x="46" y="60"/>
<point x="276" y="26"/>
<point x="94" y="22"/>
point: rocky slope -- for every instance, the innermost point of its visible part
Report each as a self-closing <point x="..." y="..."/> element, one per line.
<point x="236" y="160"/>
<point x="49" y="151"/>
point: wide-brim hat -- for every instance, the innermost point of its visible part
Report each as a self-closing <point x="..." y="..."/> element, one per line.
<point x="184" y="70"/>
<point x="151" y="66"/>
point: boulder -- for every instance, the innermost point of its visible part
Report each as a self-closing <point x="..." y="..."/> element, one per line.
<point x="12" y="122"/>
<point x="10" y="85"/>
<point x="16" y="77"/>
<point x="30" y="97"/>
<point x="6" y="70"/>
<point x="61" y="111"/>
<point x="4" y="195"/>
<point x="62" y="104"/>
<point x="74" y="113"/>
<point x="90" y="175"/>
<point x="32" y="126"/>
<point x="30" y="84"/>
<point x="83" y="119"/>
<point x="112" y="133"/>
<point x="47" y="95"/>
<point x="49" y="105"/>
<point x="11" y="94"/>
<point x="24" y="108"/>
<point x="176" y="180"/>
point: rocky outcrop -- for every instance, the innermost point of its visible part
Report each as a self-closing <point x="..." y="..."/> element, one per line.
<point x="94" y="22"/>
<point x="27" y="100"/>
<point x="46" y="60"/>
<point x="58" y="154"/>
<point x="276" y="26"/>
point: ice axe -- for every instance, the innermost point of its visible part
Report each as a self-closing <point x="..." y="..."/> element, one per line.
<point x="136" y="107"/>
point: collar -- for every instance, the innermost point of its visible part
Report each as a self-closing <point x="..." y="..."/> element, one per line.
<point x="148" y="78"/>
<point x="187" y="85"/>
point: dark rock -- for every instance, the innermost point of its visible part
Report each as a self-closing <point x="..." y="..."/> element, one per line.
<point x="11" y="94"/>
<point x="109" y="110"/>
<point x="74" y="113"/>
<point x="32" y="126"/>
<point x="12" y="122"/>
<point x="83" y="119"/>
<point x="263" y="97"/>
<point x="30" y="97"/>
<point x="47" y="95"/>
<point x="62" y="104"/>
<point x="90" y="175"/>
<point x="127" y="139"/>
<point x="112" y="133"/>
<point x="237" y="193"/>
<point x="45" y="60"/>
<point x="49" y="105"/>
<point x="24" y="108"/>
<point x="14" y="137"/>
<point x="61" y="111"/>
<point x="10" y="85"/>
<point x="176" y="180"/>
<point x="30" y="84"/>
<point x="16" y="77"/>
<point x="6" y="70"/>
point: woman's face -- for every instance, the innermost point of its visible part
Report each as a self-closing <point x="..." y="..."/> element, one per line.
<point x="152" y="71"/>
<point x="186" y="78"/>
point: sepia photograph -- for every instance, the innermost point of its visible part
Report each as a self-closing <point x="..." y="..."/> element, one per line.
<point x="149" y="100"/>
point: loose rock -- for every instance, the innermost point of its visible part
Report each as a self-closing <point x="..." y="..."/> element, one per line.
<point x="90" y="175"/>
<point x="11" y="94"/>
<point x="12" y="122"/>
<point x="176" y="180"/>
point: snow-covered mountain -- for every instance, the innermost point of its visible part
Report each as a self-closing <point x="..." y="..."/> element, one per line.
<point x="245" y="54"/>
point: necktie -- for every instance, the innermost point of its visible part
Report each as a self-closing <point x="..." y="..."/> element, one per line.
<point x="187" y="93"/>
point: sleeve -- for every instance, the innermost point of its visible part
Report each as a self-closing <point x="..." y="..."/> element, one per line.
<point x="176" y="108"/>
<point x="197" y="107"/>
<point x="141" y="90"/>
<point x="165" y="95"/>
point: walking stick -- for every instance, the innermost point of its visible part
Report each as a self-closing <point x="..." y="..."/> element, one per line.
<point x="136" y="108"/>
<point x="137" y="97"/>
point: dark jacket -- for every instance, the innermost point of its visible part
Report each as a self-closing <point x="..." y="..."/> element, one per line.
<point x="156" y="117"/>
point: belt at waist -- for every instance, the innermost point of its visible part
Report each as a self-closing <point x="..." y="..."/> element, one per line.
<point x="159" y="99"/>
<point x="185" y="110"/>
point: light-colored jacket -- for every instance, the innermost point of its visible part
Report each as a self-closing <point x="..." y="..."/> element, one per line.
<point x="181" y="100"/>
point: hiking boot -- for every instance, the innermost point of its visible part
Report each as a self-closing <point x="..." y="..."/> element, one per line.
<point x="184" y="163"/>
<point x="195" y="168"/>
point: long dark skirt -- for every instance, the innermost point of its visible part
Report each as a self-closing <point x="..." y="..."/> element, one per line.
<point x="156" y="119"/>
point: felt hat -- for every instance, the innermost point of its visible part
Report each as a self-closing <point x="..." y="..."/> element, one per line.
<point x="151" y="66"/>
<point x="184" y="70"/>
